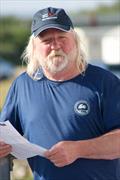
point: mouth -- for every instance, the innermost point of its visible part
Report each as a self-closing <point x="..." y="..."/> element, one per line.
<point x="57" y="55"/>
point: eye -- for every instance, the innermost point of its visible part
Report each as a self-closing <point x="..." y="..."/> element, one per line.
<point x="46" y="41"/>
<point x="62" y="37"/>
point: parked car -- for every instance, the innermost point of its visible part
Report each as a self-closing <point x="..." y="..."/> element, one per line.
<point x="6" y="69"/>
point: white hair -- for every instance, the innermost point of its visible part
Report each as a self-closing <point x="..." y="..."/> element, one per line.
<point x="33" y="65"/>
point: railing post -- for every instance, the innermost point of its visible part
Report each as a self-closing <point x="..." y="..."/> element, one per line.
<point x="6" y="165"/>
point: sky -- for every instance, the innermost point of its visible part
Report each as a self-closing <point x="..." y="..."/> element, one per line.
<point x="26" y="8"/>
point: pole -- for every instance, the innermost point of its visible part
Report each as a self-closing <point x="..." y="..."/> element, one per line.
<point x="6" y="165"/>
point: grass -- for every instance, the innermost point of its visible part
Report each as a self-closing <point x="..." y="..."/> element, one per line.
<point x="4" y="87"/>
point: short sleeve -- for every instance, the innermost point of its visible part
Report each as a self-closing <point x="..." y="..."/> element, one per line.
<point x="111" y="102"/>
<point x="10" y="109"/>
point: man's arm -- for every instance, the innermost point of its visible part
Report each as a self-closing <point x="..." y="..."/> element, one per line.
<point x="106" y="147"/>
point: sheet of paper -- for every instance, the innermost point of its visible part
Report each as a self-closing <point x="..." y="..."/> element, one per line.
<point x="21" y="147"/>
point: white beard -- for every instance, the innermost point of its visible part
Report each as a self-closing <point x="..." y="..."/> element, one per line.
<point x="57" y="61"/>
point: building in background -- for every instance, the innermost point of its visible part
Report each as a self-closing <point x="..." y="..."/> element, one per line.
<point x="111" y="47"/>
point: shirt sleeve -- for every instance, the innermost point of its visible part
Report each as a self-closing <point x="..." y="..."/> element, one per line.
<point x="111" y="103"/>
<point x="10" y="109"/>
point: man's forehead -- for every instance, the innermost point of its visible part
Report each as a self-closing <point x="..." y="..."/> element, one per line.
<point x="51" y="31"/>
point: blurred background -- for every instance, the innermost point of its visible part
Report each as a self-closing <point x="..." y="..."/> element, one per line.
<point x="96" y="21"/>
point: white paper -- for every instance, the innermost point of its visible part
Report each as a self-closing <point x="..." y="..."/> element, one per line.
<point x="21" y="147"/>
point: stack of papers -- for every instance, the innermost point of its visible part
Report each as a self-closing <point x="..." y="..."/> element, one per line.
<point x="21" y="147"/>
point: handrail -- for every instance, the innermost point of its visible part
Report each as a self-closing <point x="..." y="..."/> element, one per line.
<point x="6" y="165"/>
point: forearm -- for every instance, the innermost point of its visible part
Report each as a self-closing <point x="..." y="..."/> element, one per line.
<point x="103" y="147"/>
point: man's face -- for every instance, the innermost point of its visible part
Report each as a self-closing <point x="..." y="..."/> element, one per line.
<point x="55" y="50"/>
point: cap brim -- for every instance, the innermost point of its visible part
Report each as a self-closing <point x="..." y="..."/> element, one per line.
<point x="54" y="26"/>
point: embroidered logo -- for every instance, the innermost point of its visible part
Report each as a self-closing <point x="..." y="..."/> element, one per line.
<point x="82" y="107"/>
<point x="49" y="15"/>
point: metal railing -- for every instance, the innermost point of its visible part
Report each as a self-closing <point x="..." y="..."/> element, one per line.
<point x="6" y="165"/>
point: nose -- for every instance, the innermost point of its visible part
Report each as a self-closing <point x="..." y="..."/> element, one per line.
<point x="55" y="44"/>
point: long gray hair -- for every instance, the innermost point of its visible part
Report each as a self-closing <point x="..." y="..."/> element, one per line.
<point x="33" y="65"/>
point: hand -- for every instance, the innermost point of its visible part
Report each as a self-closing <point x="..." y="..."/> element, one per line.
<point x="63" y="153"/>
<point x="5" y="149"/>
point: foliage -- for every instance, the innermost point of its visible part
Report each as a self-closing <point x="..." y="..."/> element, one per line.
<point x="102" y="9"/>
<point x="13" y="37"/>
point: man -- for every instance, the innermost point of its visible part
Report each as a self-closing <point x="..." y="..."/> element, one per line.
<point x="65" y="105"/>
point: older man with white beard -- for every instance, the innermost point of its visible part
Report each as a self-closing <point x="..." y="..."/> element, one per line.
<point x="66" y="105"/>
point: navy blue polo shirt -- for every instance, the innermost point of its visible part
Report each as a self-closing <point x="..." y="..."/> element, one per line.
<point x="47" y="112"/>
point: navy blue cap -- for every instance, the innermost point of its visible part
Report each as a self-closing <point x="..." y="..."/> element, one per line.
<point x="50" y="18"/>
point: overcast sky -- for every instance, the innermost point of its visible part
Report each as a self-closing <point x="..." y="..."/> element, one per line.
<point x="27" y="8"/>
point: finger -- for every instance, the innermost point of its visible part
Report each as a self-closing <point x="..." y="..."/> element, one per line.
<point x="57" y="161"/>
<point x="55" y="157"/>
<point x="5" y="152"/>
<point x="2" y="143"/>
<point x="61" y="164"/>
<point x="50" y="153"/>
<point x="5" y="146"/>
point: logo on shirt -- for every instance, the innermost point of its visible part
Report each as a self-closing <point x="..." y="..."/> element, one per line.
<point x="82" y="108"/>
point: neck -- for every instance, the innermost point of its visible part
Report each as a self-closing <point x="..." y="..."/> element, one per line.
<point x="63" y="75"/>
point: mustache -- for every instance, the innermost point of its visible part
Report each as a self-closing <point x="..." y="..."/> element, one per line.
<point x="57" y="53"/>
